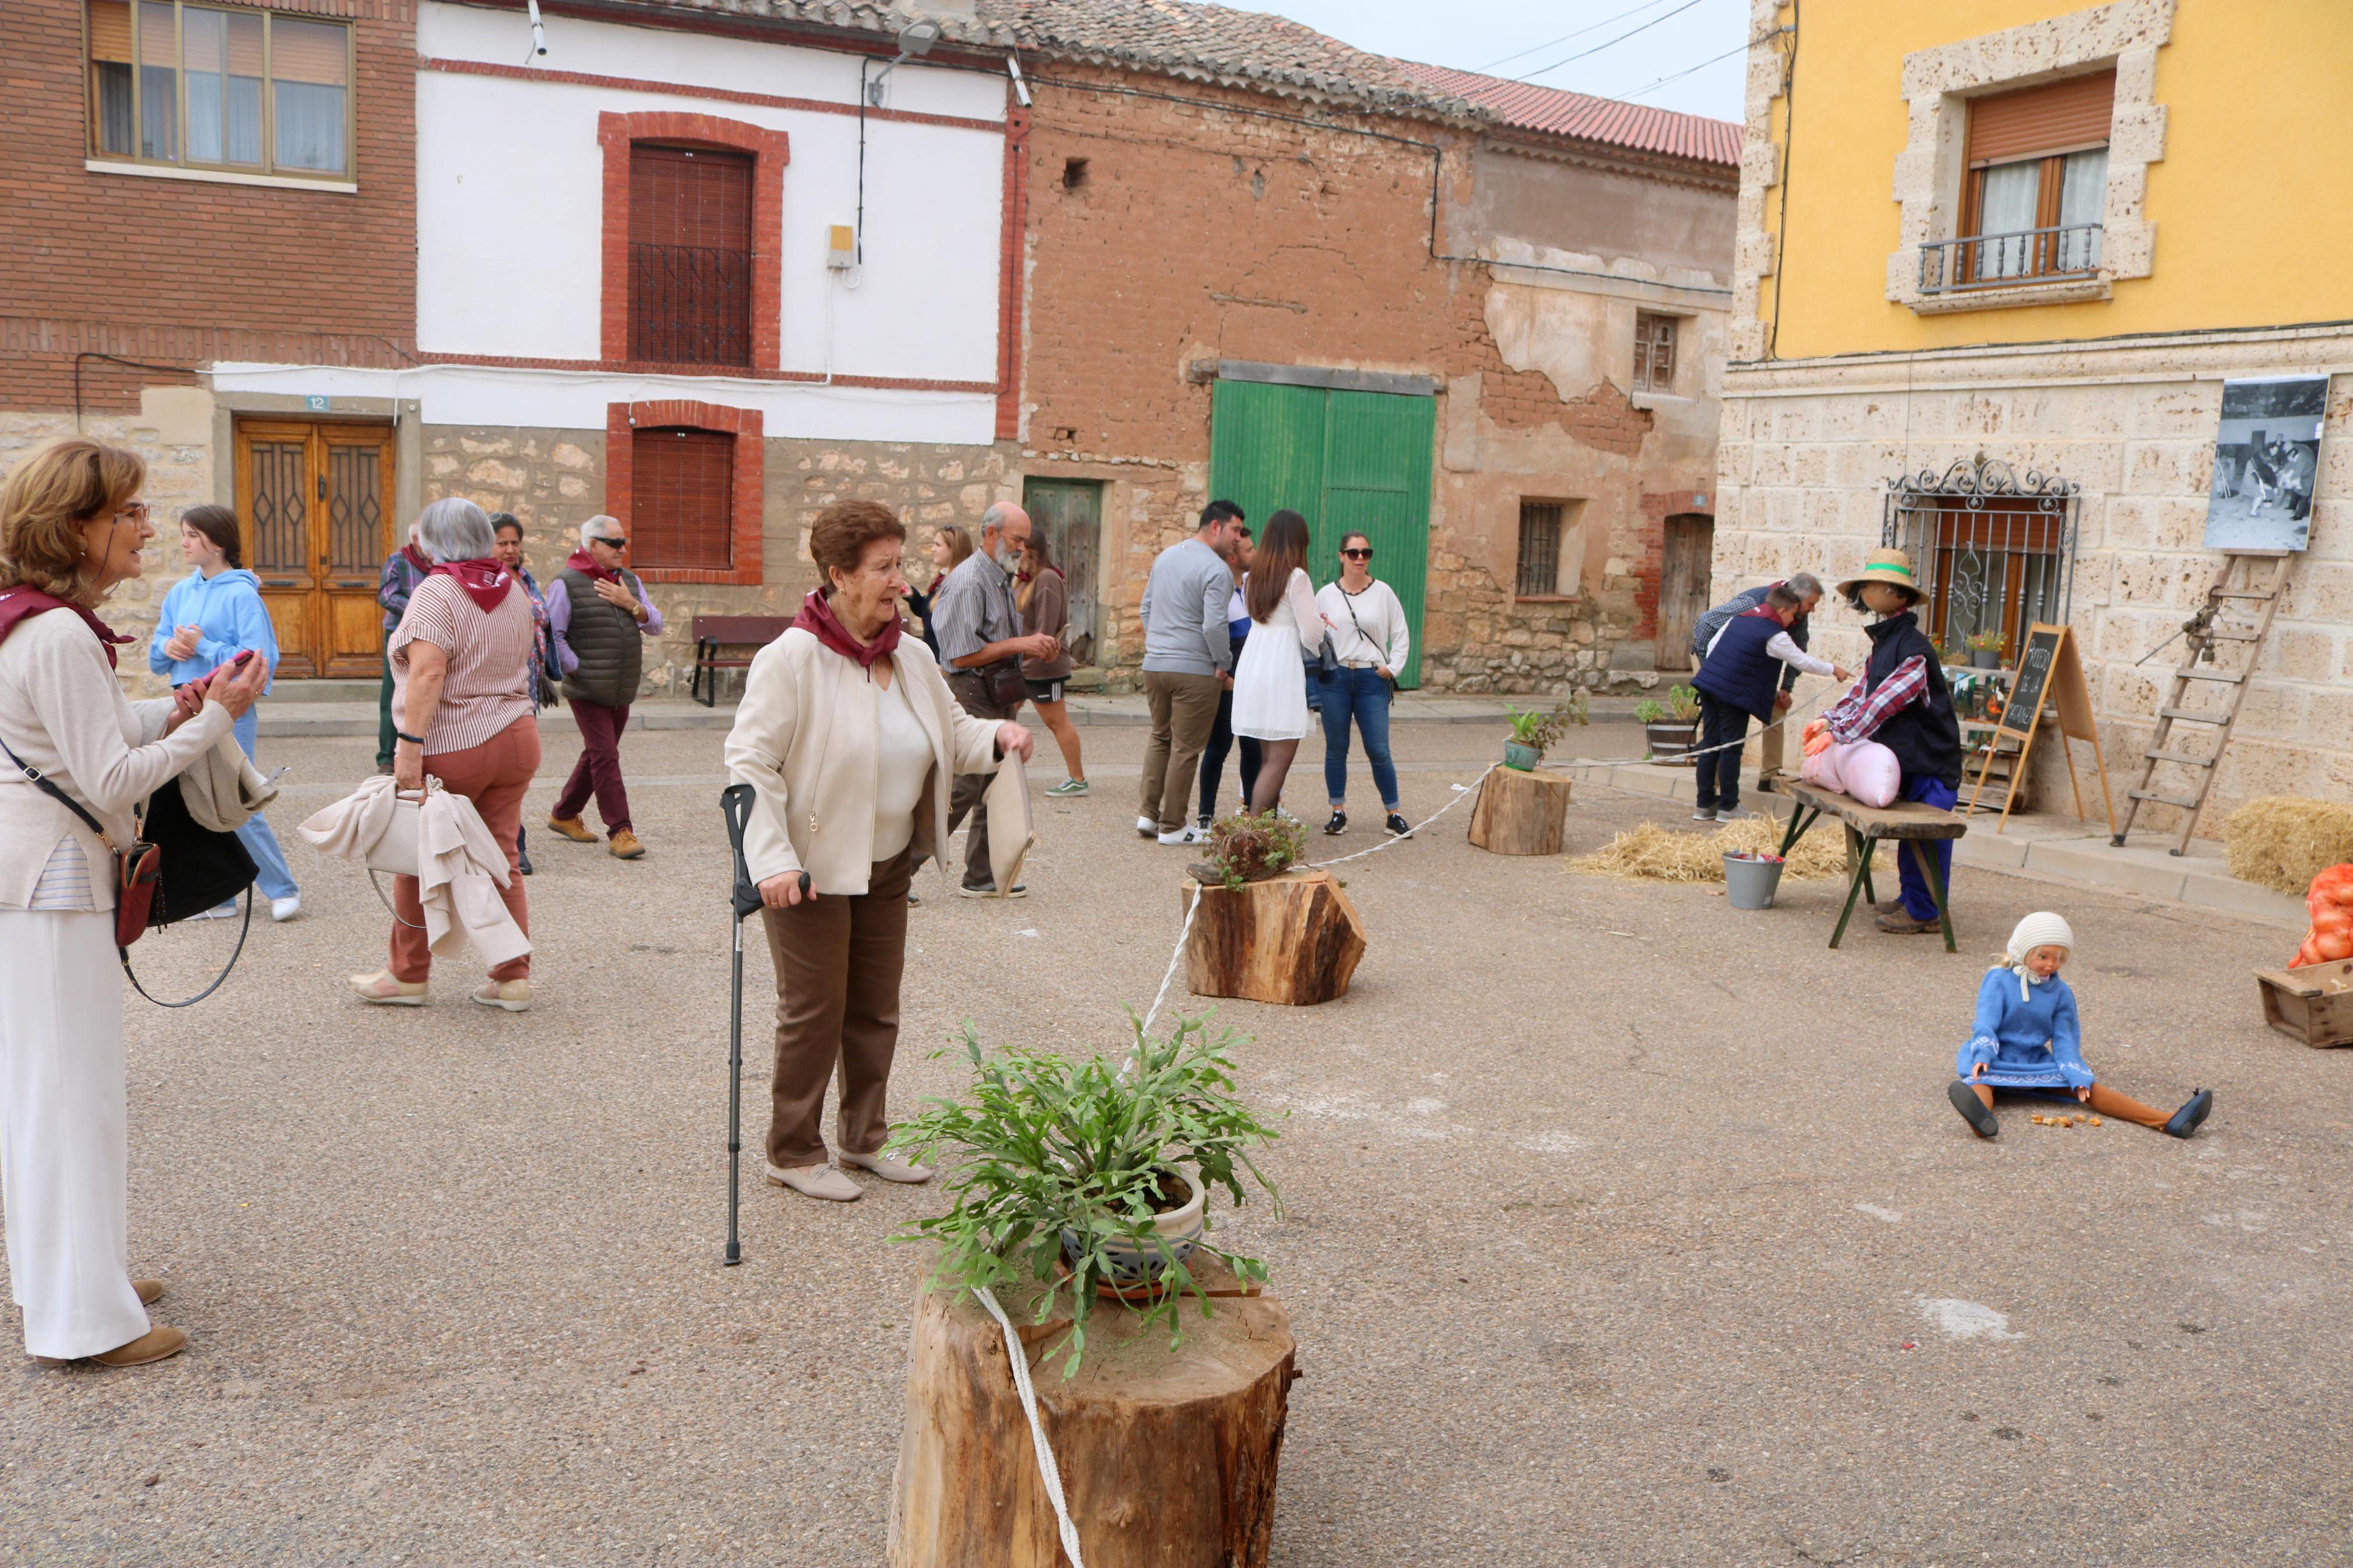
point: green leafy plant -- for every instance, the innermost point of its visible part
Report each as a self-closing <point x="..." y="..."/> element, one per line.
<point x="1541" y="731"/>
<point x="1056" y="1166"/>
<point x="1685" y="700"/>
<point x="1247" y="849"/>
<point x="1649" y="711"/>
<point x="1989" y="641"/>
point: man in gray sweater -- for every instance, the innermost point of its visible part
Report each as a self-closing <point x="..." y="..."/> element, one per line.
<point x="1188" y="661"/>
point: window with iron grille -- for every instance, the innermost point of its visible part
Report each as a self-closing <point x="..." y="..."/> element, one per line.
<point x="690" y="255"/>
<point x="1995" y="553"/>
<point x="1655" y="352"/>
<point x="1539" y="574"/>
<point x="681" y="507"/>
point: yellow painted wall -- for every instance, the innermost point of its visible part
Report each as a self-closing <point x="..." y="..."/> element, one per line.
<point x="2252" y="201"/>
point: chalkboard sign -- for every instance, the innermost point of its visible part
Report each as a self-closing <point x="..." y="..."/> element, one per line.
<point x="2049" y="671"/>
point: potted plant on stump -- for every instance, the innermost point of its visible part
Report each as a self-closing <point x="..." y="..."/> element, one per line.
<point x="1245" y="849"/>
<point x="1671" y="727"/>
<point x="1521" y="809"/>
<point x="1533" y="733"/>
<point x="1259" y="925"/>
<point x="1077" y="1193"/>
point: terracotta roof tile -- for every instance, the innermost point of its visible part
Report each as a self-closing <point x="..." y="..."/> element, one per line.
<point x="1528" y="107"/>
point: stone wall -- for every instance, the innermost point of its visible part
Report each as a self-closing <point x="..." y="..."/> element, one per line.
<point x="553" y="481"/>
<point x="1809" y="447"/>
<point x="179" y="476"/>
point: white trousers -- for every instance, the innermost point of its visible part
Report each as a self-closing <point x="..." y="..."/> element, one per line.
<point x="64" y="1151"/>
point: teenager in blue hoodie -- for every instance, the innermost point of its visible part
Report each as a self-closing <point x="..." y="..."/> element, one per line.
<point x="208" y="618"/>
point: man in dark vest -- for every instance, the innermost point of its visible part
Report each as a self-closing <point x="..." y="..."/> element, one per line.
<point x="1740" y="678"/>
<point x="600" y="615"/>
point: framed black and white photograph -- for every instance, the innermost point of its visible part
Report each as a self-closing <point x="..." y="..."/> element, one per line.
<point x="2266" y="460"/>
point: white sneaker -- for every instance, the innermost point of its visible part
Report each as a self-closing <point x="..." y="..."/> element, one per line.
<point x="226" y="911"/>
<point x="286" y="909"/>
<point x="1184" y="836"/>
<point x="1147" y="828"/>
<point x="816" y="1182"/>
<point x="885" y="1166"/>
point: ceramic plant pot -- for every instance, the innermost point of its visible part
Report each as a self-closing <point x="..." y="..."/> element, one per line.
<point x="1985" y="659"/>
<point x="1178" y="1229"/>
<point x="1672" y="740"/>
<point x="1524" y="758"/>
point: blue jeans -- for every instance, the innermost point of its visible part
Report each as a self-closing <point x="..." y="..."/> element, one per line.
<point x="1918" y="901"/>
<point x="1363" y="695"/>
<point x="277" y="881"/>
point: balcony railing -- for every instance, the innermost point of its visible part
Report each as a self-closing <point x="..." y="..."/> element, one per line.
<point x="689" y="304"/>
<point x="2007" y="260"/>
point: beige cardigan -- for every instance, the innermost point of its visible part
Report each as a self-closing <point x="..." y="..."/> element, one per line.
<point x="805" y="740"/>
<point x="63" y="712"/>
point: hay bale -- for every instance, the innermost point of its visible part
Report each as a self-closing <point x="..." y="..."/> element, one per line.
<point x="2282" y="842"/>
<point x="1650" y="853"/>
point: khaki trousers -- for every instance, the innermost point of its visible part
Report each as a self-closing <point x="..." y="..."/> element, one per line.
<point x="838" y="960"/>
<point x="1184" y="715"/>
<point x="971" y="694"/>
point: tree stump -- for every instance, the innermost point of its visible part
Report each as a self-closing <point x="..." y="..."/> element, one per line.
<point x="1521" y="813"/>
<point x="1295" y="940"/>
<point x="1167" y="1458"/>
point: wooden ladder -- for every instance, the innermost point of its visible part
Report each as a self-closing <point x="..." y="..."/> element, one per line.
<point x="2207" y="636"/>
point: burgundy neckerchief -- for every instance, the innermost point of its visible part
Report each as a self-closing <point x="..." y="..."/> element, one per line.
<point x="486" y="583"/>
<point x="581" y="560"/>
<point x="423" y="563"/>
<point x="817" y="615"/>
<point x="17" y="604"/>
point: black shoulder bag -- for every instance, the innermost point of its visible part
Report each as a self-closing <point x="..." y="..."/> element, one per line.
<point x="177" y="867"/>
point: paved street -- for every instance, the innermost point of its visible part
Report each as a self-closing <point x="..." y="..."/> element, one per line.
<point x="1622" y="1228"/>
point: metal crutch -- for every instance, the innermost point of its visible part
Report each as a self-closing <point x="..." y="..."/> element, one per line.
<point x="744" y="899"/>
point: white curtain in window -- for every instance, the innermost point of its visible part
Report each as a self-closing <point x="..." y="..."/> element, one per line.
<point x="2083" y="204"/>
<point x="2004" y="214"/>
<point x="310" y="127"/>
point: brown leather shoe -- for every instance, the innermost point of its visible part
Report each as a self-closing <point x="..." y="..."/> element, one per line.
<point x="572" y="827"/>
<point x="624" y="846"/>
<point x="154" y="1345"/>
<point x="150" y="1291"/>
<point x="1902" y="924"/>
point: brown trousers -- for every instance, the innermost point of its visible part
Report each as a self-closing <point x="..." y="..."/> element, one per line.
<point x="971" y="695"/>
<point x="493" y="775"/>
<point x="838" y="960"/>
<point x="2104" y="1101"/>
<point x="1184" y="715"/>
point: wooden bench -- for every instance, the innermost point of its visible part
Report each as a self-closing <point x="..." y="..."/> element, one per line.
<point x="1908" y="823"/>
<point x="713" y="633"/>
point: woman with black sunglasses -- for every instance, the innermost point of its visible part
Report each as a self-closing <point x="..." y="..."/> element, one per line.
<point x="1370" y="636"/>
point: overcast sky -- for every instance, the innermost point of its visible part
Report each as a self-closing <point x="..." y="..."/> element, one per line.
<point x="1660" y="38"/>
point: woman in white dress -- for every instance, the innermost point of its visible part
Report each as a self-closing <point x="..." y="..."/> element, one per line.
<point x="1269" y="682"/>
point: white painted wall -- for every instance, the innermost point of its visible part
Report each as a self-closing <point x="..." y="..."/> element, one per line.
<point x="509" y="183"/>
<point x="466" y="394"/>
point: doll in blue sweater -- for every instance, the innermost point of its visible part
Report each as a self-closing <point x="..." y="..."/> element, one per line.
<point x="2029" y="1040"/>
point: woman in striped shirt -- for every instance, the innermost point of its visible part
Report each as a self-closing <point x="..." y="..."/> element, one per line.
<point x="461" y="660"/>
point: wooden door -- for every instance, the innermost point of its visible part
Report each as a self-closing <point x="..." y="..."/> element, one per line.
<point x="1684" y="565"/>
<point x="1069" y="513"/>
<point x="314" y="498"/>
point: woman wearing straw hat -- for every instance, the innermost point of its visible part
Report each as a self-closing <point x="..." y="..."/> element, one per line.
<point x="1902" y="703"/>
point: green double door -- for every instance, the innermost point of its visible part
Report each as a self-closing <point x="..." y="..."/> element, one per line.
<point x="1349" y="462"/>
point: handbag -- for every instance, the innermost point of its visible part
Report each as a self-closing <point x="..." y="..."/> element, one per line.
<point x="1326" y="662"/>
<point x="133" y="871"/>
<point x="1002" y="683"/>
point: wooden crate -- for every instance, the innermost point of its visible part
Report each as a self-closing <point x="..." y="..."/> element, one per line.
<point x="2314" y="1004"/>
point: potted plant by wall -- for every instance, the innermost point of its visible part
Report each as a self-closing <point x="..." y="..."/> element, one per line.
<point x="1533" y="733"/>
<point x="1244" y="848"/>
<point x="1671" y="727"/>
<point x="1985" y="650"/>
<point x="1089" y="1177"/>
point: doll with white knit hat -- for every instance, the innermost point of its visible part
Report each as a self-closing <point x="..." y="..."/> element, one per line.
<point x="2027" y="1039"/>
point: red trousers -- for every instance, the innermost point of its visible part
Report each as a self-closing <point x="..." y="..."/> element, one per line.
<point x="493" y="775"/>
<point x="599" y="767"/>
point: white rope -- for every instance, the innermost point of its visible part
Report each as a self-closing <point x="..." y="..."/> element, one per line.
<point x="1467" y="791"/>
<point x="1048" y="1470"/>
<point x="1174" y="959"/>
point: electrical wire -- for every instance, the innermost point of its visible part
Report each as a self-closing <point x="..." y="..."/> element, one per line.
<point x="1738" y="49"/>
<point x="1644" y="27"/>
<point x="1565" y="37"/>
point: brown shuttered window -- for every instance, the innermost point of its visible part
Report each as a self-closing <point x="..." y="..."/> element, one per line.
<point x="689" y="256"/>
<point x="683" y="501"/>
<point x="2035" y="121"/>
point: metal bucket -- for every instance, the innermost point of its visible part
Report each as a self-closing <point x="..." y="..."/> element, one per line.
<point x="1750" y="879"/>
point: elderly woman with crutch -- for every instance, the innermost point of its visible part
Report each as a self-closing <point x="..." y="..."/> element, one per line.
<point x="79" y="758"/>
<point x="850" y="739"/>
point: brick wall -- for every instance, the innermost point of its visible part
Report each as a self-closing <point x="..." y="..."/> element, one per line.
<point x="180" y="272"/>
<point x="553" y="481"/>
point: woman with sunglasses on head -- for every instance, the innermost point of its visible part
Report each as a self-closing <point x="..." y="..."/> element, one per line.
<point x="1270" y="696"/>
<point x="71" y="529"/>
<point x="1370" y="636"/>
